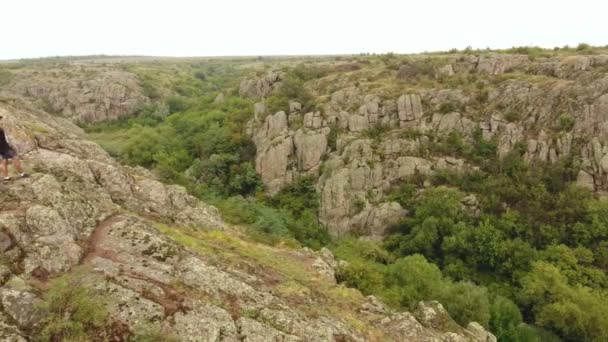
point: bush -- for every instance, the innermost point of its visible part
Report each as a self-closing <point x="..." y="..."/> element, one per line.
<point x="467" y="302"/>
<point x="271" y="221"/>
<point x="148" y="333"/>
<point x="301" y="200"/>
<point x="332" y="139"/>
<point x="309" y="72"/>
<point x="177" y="104"/>
<point x="411" y="279"/>
<point x="276" y="103"/>
<point x="237" y="209"/>
<point x="142" y="145"/>
<point x="349" y="248"/>
<point x="74" y="310"/>
<point x="566" y="122"/>
<point x="362" y="275"/>
<point x="512" y="116"/>
<point x="447" y="107"/>
<point x="403" y="194"/>
<point x="376" y="132"/>
<point x="357" y="205"/>
<point x="583" y="46"/>
<point x="297" y="196"/>
<point x="200" y="75"/>
<point x="577" y="312"/>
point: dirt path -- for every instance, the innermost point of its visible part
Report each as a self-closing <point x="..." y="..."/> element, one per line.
<point x="171" y="301"/>
<point x="94" y="248"/>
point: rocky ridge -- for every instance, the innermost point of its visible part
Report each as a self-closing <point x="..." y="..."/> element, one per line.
<point x="164" y="258"/>
<point x="81" y="92"/>
<point x="364" y="139"/>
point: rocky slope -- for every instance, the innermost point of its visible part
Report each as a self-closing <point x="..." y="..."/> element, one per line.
<point x="82" y="92"/>
<point x="374" y="126"/>
<point x="164" y="259"/>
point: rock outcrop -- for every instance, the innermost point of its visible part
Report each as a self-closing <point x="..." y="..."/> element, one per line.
<point x="161" y="257"/>
<point x="83" y="93"/>
<point x="364" y="139"/>
<point x="355" y="173"/>
<point x="257" y="88"/>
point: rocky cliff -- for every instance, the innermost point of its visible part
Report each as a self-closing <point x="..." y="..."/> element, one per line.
<point x="375" y="125"/>
<point x="164" y="259"/>
<point x="81" y="92"/>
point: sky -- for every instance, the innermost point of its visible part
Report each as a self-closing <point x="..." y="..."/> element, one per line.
<point x="40" y="28"/>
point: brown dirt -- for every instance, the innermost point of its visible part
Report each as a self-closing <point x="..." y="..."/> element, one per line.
<point x="172" y="301"/>
<point x="94" y="248"/>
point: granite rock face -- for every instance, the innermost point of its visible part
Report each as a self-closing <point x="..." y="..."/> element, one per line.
<point x="82" y="93"/>
<point x="81" y="211"/>
<point x="257" y="88"/>
<point x="364" y="141"/>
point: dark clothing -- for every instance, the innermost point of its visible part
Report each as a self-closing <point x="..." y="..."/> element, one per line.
<point x="6" y="151"/>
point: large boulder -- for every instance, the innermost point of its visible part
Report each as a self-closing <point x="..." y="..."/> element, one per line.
<point x="261" y="87"/>
<point x="410" y="107"/>
<point x="310" y="148"/>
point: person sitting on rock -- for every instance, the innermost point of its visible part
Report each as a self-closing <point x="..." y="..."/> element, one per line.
<point x="8" y="153"/>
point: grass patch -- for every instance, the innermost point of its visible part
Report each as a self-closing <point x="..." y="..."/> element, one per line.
<point x="298" y="281"/>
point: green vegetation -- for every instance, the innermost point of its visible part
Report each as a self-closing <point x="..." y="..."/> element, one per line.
<point x="76" y="311"/>
<point x="527" y="257"/>
<point x="512" y="116"/>
<point x="292" y="88"/>
<point x="5" y="77"/>
<point x="566" y="122"/>
<point x="201" y="145"/>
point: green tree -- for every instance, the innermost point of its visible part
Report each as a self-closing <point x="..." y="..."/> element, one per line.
<point x="505" y="319"/>
<point x="466" y="302"/>
<point x="412" y="279"/>
<point x="576" y="312"/>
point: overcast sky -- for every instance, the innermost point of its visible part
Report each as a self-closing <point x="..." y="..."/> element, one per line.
<point x="36" y="28"/>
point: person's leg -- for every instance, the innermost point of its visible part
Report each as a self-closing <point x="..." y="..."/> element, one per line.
<point x="4" y="168"/>
<point x="17" y="165"/>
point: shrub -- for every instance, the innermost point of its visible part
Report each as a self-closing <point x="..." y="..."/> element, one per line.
<point x="308" y="231"/>
<point x="512" y="116"/>
<point x="332" y="139"/>
<point x="447" y="107"/>
<point x="301" y="200"/>
<point x="277" y="103"/>
<point x="309" y="72"/>
<point x="403" y="194"/>
<point x="357" y="205"/>
<point x="467" y="302"/>
<point x="566" y="122"/>
<point x="147" y="333"/>
<point x="577" y="312"/>
<point x="143" y="143"/>
<point x="200" y="75"/>
<point x="583" y="46"/>
<point x="238" y="210"/>
<point x="530" y="333"/>
<point x="362" y="275"/>
<point x="411" y="279"/>
<point x="272" y="221"/>
<point x="350" y="248"/>
<point x="411" y="134"/>
<point x="74" y="310"/>
<point x="177" y="104"/>
<point x="298" y="196"/>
